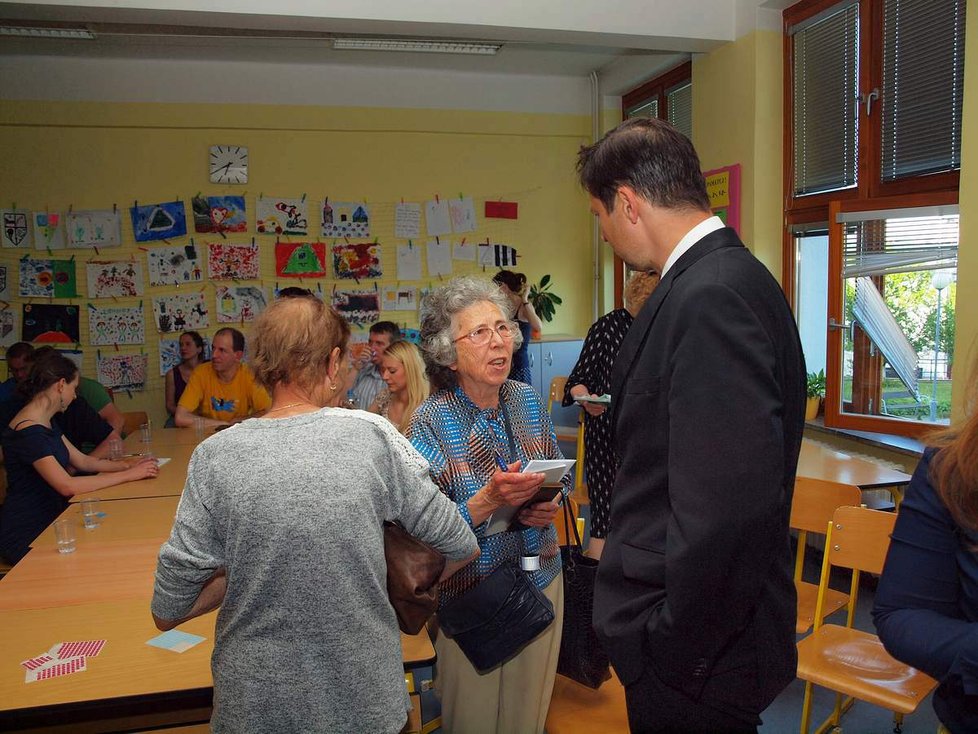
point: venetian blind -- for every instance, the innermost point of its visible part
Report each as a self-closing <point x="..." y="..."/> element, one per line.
<point x="825" y="70"/>
<point x="679" y="103"/>
<point x="645" y="109"/>
<point x="923" y="78"/>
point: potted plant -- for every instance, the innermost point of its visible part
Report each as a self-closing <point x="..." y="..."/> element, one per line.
<point x="544" y="302"/>
<point x="815" y="391"/>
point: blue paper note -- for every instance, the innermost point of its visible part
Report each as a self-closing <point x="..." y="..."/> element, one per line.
<point x="175" y="640"/>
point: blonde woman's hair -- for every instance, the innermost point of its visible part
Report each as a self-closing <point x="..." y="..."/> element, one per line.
<point x="638" y="288"/>
<point x="293" y="339"/>
<point x="417" y="385"/>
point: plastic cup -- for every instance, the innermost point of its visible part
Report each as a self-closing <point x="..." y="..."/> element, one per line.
<point x="146" y="432"/>
<point x="91" y="513"/>
<point x="198" y="426"/>
<point x="64" y="531"/>
<point x="115" y="449"/>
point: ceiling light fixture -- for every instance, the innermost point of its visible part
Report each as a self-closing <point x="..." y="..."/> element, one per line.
<point x="431" y="47"/>
<point x="24" y="32"/>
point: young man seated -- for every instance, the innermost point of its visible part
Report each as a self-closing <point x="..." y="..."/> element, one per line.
<point x="222" y="391"/>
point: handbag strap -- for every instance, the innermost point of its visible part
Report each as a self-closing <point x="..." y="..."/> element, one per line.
<point x="569" y="523"/>
<point x="509" y="429"/>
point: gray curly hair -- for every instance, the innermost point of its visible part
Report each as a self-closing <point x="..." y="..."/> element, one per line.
<point x="438" y="311"/>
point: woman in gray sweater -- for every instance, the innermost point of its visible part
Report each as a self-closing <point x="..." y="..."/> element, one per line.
<point x="280" y="524"/>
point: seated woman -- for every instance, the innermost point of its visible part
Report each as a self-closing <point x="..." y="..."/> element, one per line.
<point x="477" y="417"/>
<point x="514" y="287"/>
<point x="191" y="355"/>
<point x="281" y="525"/>
<point x="926" y="608"/>
<point x="37" y="458"/>
<point x="407" y="387"/>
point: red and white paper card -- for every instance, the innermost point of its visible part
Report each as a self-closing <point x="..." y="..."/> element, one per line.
<point x="56" y="669"/>
<point x="35" y="663"/>
<point x="88" y="648"/>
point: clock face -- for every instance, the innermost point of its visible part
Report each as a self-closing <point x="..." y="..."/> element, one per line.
<point x="228" y="164"/>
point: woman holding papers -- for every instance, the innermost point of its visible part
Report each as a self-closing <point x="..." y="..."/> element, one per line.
<point x="588" y="382"/>
<point x="407" y="387"/>
<point x="476" y="431"/>
<point x="281" y="525"/>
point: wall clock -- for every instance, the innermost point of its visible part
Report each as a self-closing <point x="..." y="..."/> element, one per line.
<point x="228" y="164"/>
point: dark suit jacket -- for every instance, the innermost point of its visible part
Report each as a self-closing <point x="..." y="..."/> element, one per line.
<point x="708" y="397"/>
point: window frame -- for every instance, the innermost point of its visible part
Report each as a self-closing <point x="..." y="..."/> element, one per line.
<point x="869" y="194"/>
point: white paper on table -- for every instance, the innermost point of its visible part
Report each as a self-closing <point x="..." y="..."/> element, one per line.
<point x="439" y="258"/>
<point x="409" y="262"/>
<point x="162" y="461"/>
<point x="438" y="218"/>
<point x="407" y="220"/>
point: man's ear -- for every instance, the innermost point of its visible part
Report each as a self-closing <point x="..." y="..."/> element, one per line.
<point x="628" y="200"/>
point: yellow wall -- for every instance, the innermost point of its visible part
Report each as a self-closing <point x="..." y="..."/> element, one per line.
<point x="737" y="119"/>
<point x="86" y="155"/>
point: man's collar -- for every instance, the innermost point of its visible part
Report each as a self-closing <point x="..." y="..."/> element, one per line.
<point x="701" y="230"/>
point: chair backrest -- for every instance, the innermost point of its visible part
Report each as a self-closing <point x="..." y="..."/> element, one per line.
<point x="579" y="454"/>
<point x="133" y="420"/>
<point x="815" y="500"/>
<point x="859" y="538"/>
<point x="556" y="394"/>
<point x="559" y="521"/>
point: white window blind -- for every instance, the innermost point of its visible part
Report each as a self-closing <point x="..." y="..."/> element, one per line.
<point x="645" y="109"/>
<point x="826" y="72"/>
<point x="903" y="242"/>
<point x="679" y="103"/>
<point x="923" y="77"/>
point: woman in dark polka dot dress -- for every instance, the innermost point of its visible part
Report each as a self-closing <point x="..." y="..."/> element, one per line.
<point x="592" y="376"/>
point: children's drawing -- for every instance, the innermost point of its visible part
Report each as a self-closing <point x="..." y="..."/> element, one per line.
<point x="50" y="323"/>
<point x="359" y="308"/>
<point x="48" y="278"/>
<point x="232" y="262"/>
<point x="123" y="371"/>
<point x="411" y="335"/>
<point x="464" y="251"/>
<point x="49" y="230"/>
<point x="500" y="256"/>
<point x="345" y="219"/>
<point x="462" y="213"/>
<point x="399" y="298"/>
<point x="108" y="279"/>
<point x="300" y="259"/>
<point x="163" y="221"/>
<point x="238" y="304"/>
<point x="170" y="353"/>
<point x="407" y="221"/>
<point x="174" y="265"/>
<point x="280" y="216"/>
<point x="356" y="262"/>
<point x="9" y="333"/>
<point x="116" y="325"/>
<point x="4" y="283"/>
<point x="16" y="228"/>
<point x="409" y="262"/>
<point x="219" y="214"/>
<point x="439" y="258"/>
<point x="181" y="312"/>
<point x="438" y="218"/>
<point x="94" y="228"/>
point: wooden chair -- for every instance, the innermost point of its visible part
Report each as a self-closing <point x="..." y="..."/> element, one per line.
<point x="576" y="708"/>
<point x="556" y="395"/>
<point x="134" y="420"/>
<point x="811" y="509"/>
<point x="559" y="522"/>
<point x="848" y="661"/>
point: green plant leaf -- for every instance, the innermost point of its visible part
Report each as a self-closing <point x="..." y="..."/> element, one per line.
<point x="544" y="280"/>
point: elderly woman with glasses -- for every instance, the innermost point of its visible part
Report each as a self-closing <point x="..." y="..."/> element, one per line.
<point x="476" y="431"/>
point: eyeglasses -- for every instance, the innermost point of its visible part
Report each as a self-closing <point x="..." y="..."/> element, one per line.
<point x="482" y="335"/>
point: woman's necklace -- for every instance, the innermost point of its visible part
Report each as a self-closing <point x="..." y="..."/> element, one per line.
<point x="286" y="407"/>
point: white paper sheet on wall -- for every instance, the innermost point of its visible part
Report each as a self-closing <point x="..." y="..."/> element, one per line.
<point x="466" y="251"/>
<point x="409" y="262"/>
<point x="438" y="218"/>
<point x="439" y="258"/>
<point x="407" y="221"/>
<point x="462" y="212"/>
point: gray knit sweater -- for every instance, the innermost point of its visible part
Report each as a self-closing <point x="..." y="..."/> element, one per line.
<point x="293" y="509"/>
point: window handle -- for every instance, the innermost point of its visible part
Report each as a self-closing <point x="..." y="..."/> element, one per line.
<point x="867" y="99"/>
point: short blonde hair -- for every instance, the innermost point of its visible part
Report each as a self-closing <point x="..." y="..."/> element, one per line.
<point x="418" y="387"/>
<point x="639" y="287"/>
<point x="293" y="339"/>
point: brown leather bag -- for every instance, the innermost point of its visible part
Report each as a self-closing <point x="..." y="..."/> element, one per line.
<point x="413" y="570"/>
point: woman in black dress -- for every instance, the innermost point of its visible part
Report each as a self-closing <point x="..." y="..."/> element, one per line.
<point x="591" y="376"/>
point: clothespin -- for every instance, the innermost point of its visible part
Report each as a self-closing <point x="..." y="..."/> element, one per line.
<point x="303" y="199"/>
<point x="437" y="200"/>
<point x="129" y="393"/>
<point x="410" y="245"/>
<point x="145" y="249"/>
<point x="96" y="250"/>
<point x="460" y="196"/>
<point x="116" y="347"/>
<point x="71" y="206"/>
<point x="50" y="254"/>
<point x="114" y="209"/>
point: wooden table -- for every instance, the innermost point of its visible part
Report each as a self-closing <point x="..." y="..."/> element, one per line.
<point x="137" y="519"/>
<point x="169" y="483"/>
<point x="821" y="462"/>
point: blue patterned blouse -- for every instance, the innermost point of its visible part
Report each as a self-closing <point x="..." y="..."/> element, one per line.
<point x="460" y="442"/>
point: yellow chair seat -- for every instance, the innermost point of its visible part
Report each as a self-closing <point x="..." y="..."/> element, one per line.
<point x="576" y="708"/>
<point x="807" y="596"/>
<point x="854" y="663"/>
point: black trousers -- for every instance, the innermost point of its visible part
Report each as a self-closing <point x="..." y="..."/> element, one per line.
<point x="657" y="708"/>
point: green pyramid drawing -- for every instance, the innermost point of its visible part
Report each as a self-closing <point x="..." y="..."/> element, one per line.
<point x="303" y="260"/>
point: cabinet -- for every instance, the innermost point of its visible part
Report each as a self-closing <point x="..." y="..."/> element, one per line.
<point x="554" y="357"/>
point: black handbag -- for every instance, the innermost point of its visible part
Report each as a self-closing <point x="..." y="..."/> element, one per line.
<point x="581" y="656"/>
<point x="494" y="620"/>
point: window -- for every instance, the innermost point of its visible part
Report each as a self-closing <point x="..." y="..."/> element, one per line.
<point x="667" y="97"/>
<point x="872" y="155"/>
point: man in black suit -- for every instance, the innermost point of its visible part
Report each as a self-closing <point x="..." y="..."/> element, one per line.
<point x="694" y="598"/>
